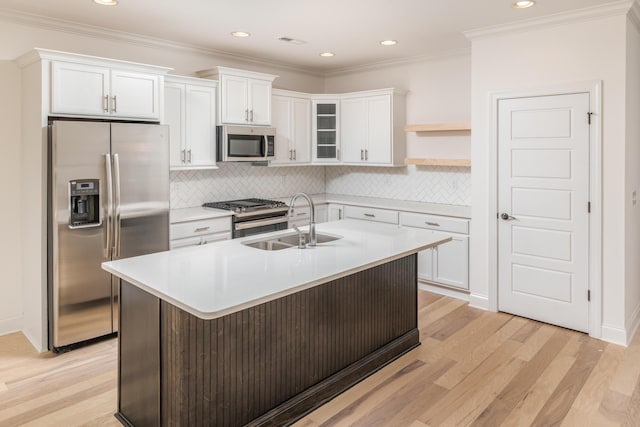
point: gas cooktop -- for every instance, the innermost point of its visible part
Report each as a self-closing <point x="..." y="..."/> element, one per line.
<point x="246" y="205"/>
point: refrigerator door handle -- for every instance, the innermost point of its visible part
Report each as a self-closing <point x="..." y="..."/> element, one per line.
<point x="107" y="249"/>
<point x="116" y="180"/>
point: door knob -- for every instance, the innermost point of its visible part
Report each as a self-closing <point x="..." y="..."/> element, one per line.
<point x="507" y="217"/>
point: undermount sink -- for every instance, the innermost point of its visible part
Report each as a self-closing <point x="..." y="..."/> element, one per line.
<point x="290" y="240"/>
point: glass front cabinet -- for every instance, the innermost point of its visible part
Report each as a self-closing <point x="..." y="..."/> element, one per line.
<point x="326" y="130"/>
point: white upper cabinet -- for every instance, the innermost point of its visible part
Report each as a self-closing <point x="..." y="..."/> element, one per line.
<point x="291" y="117"/>
<point x="190" y="112"/>
<point x="98" y="88"/>
<point x="371" y="129"/>
<point x="245" y="96"/>
<point x="325" y="129"/>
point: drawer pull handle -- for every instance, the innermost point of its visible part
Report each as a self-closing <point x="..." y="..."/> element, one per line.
<point x="301" y="214"/>
<point x="369" y="215"/>
<point x="433" y="224"/>
<point x="201" y="229"/>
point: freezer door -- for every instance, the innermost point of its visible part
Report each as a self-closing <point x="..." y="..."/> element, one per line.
<point x="79" y="290"/>
<point x="141" y="185"/>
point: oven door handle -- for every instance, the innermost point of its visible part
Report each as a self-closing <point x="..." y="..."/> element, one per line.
<point x="259" y="223"/>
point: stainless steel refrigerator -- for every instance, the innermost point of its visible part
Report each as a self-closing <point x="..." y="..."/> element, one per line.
<point x="108" y="199"/>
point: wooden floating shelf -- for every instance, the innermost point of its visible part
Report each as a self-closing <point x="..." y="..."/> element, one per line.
<point x="438" y="162"/>
<point x="438" y="127"/>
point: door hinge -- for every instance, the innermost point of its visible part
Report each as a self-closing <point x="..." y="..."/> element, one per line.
<point x="588" y="295"/>
<point x="588" y="207"/>
<point x="589" y="114"/>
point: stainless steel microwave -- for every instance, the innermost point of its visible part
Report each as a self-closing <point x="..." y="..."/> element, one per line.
<point x="245" y="143"/>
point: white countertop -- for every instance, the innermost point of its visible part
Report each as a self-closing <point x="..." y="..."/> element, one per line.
<point x="197" y="213"/>
<point x="213" y="280"/>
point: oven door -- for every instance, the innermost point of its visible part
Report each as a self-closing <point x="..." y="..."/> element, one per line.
<point x="258" y="226"/>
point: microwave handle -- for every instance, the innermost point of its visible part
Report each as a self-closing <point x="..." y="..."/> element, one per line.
<point x="265" y="141"/>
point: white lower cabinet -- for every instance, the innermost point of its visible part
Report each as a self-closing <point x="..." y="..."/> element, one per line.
<point x="446" y="264"/>
<point x="199" y="232"/>
<point x="371" y="214"/>
<point x="335" y="212"/>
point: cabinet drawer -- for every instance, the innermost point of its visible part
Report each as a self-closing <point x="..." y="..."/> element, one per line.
<point x="197" y="228"/>
<point x="434" y="222"/>
<point x="371" y="214"/>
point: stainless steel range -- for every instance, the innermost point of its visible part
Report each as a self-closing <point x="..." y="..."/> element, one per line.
<point x="254" y="216"/>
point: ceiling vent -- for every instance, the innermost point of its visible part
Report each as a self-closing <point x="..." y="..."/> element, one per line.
<point x="291" y="40"/>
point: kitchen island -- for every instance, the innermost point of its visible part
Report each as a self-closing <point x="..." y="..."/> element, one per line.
<point x="227" y="334"/>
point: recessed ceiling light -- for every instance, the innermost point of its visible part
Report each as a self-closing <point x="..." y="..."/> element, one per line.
<point x="327" y="54"/>
<point x="388" y="42"/>
<point x="107" y="2"/>
<point x="523" y="4"/>
<point x="240" y="34"/>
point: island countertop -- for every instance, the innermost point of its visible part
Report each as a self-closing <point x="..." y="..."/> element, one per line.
<point x="217" y="279"/>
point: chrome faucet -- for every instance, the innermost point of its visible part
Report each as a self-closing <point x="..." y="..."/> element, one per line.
<point x="312" y="219"/>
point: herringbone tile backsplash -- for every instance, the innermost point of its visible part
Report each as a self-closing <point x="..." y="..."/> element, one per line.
<point x="446" y="185"/>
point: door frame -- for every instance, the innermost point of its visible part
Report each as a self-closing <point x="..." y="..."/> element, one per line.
<point x="594" y="89"/>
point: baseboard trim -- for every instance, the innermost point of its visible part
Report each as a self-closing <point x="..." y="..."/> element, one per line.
<point x="11" y="325"/>
<point x="479" y="301"/>
<point x="634" y="324"/>
<point x="441" y="290"/>
<point x="614" y="335"/>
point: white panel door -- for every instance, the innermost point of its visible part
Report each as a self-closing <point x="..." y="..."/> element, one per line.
<point x="233" y="100"/>
<point x="378" y="149"/>
<point x="301" y="112"/>
<point x="174" y="116"/>
<point x="259" y="102"/>
<point x="353" y="133"/>
<point x="281" y="116"/>
<point x="201" y="125"/>
<point x="543" y="195"/>
<point x="79" y="89"/>
<point x="135" y="95"/>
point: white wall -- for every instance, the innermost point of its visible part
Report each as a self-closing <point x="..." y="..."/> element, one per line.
<point x="543" y="58"/>
<point x="632" y="211"/>
<point x="10" y="215"/>
<point x="438" y="90"/>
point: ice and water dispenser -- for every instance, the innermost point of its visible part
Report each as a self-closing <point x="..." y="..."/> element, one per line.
<point x="84" y="203"/>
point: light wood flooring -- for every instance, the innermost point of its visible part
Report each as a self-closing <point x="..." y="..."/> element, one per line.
<point x="473" y="368"/>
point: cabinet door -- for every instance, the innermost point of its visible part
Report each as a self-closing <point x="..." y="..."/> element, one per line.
<point x="451" y="262"/>
<point x="174" y="116"/>
<point x="301" y="141"/>
<point x="325" y="131"/>
<point x="79" y="89"/>
<point x="335" y="212"/>
<point x="259" y="102"/>
<point x="201" y="125"/>
<point x="425" y="264"/>
<point x="282" y="121"/>
<point x="135" y="95"/>
<point x="353" y="133"/>
<point x="233" y="100"/>
<point x="321" y="213"/>
<point x="379" y="138"/>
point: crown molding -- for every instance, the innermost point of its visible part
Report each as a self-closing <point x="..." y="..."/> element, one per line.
<point x="400" y="61"/>
<point x="70" y="27"/>
<point x="615" y="8"/>
<point x="634" y="15"/>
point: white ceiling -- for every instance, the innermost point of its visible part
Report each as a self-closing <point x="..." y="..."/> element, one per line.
<point x="350" y="28"/>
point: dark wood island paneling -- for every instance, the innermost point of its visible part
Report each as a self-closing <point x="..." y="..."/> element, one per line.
<point x="272" y="363"/>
